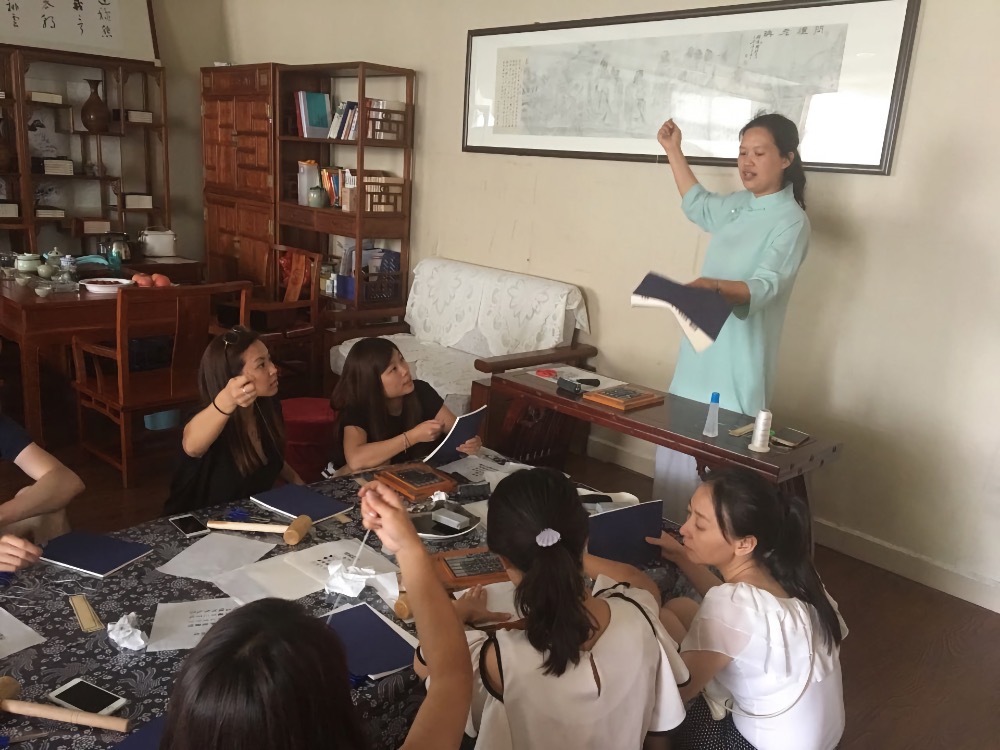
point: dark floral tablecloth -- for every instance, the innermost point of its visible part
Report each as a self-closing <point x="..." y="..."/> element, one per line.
<point x="38" y="597"/>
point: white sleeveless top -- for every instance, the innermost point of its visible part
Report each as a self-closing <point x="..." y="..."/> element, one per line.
<point x="637" y="667"/>
<point x="769" y="640"/>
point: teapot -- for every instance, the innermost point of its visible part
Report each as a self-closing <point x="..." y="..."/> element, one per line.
<point x="115" y="242"/>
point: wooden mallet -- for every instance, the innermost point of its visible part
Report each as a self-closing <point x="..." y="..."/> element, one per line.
<point x="293" y="533"/>
<point x="10" y="689"/>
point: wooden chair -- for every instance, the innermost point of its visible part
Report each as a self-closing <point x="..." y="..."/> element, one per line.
<point x="115" y="379"/>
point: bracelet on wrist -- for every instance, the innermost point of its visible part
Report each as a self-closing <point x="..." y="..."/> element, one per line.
<point x="224" y="413"/>
<point x="406" y="442"/>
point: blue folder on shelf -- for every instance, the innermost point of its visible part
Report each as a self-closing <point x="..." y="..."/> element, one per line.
<point x="465" y="428"/>
<point x="92" y="554"/>
<point x="294" y="500"/>
<point x="147" y="737"/>
<point x="620" y="534"/>
<point x="374" y="647"/>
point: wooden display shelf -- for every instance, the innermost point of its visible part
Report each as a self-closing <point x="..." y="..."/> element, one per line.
<point x="328" y="141"/>
<point x="83" y="177"/>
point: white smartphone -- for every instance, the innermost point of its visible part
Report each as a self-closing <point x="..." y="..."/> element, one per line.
<point x="85" y="696"/>
<point x="188" y="525"/>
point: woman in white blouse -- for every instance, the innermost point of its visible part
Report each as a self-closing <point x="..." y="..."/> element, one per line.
<point x="582" y="671"/>
<point x="765" y="642"/>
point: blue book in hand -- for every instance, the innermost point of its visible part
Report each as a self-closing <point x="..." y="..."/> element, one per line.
<point x="465" y="428"/>
<point x="294" y="500"/>
<point x="373" y="646"/>
<point x="92" y="554"/>
<point x="701" y="313"/>
<point x="620" y="534"/>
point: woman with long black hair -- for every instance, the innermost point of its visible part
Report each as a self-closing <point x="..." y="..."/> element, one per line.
<point x="588" y="670"/>
<point x="764" y="643"/>
<point x="760" y="236"/>
<point x="235" y="445"/>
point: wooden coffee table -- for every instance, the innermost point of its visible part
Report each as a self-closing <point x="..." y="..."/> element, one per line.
<point x="676" y="424"/>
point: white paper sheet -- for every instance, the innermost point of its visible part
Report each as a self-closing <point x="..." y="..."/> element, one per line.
<point x="181" y="625"/>
<point x="499" y="599"/>
<point x="573" y="373"/>
<point x="271" y="577"/>
<point x="215" y="554"/>
<point x="15" y="635"/>
<point x="472" y="467"/>
<point x="315" y="561"/>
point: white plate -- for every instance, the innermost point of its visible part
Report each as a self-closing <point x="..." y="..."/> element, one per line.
<point x="106" y="288"/>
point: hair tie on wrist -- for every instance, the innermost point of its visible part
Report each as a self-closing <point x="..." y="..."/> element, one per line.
<point x="224" y="413"/>
<point x="547" y="537"/>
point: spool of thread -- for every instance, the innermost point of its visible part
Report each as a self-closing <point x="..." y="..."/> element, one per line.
<point x="761" y="442"/>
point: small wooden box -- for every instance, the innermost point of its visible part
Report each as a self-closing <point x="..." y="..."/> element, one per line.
<point x="624" y="397"/>
<point x="416" y="481"/>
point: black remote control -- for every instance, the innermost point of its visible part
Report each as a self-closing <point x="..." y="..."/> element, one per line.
<point x="471" y="492"/>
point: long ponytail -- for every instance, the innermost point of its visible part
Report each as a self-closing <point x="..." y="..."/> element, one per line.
<point x="747" y="505"/>
<point x="552" y="591"/>
<point x="786" y="138"/>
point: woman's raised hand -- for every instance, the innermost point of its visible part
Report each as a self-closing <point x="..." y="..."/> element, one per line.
<point x="426" y="432"/>
<point x="383" y="512"/>
<point x="239" y="391"/>
<point x="669" y="136"/>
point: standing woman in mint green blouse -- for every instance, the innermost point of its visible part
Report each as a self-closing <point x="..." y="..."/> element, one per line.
<point x="759" y="240"/>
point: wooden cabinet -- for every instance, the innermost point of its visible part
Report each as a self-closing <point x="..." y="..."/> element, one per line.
<point x="238" y="147"/>
<point x="239" y="235"/>
<point x="237" y="131"/>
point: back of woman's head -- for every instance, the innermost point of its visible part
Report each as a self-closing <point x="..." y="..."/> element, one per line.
<point x="222" y="361"/>
<point x="746" y="505"/>
<point x="360" y="387"/>
<point x="786" y="138"/>
<point x="265" y="675"/>
<point x="551" y="592"/>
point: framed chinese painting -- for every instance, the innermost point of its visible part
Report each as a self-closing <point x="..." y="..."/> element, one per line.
<point x="601" y="88"/>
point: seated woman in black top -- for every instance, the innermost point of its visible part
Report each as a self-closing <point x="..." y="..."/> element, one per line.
<point x="234" y="446"/>
<point x="386" y="416"/>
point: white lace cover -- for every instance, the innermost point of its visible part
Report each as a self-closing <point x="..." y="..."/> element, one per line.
<point x="489" y="312"/>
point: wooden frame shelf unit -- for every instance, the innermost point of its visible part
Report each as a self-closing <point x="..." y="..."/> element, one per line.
<point x="370" y="298"/>
<point x="140" y="150"/>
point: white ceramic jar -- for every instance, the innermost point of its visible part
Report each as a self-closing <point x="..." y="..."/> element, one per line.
<point x="28" y="262"/>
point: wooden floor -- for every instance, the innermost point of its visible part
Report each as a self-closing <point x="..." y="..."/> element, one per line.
<point x="921" y="669"/>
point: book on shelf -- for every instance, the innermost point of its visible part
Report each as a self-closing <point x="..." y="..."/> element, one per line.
<point x="94" y="226"/>
<point x="314" y="113"/>
<point x="9" y="210"/>
<point x="380" y="177"/>
<point x="49" y="212"/>
<point x="133" y="115"/>
<point x="337" y="119"/>
<point x="350" y="109"/>
<point x="352" y="131"/>
<point x="3" y="94"/>
<point x="45" y="97"/>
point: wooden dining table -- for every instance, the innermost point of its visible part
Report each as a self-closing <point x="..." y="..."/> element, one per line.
<point x="47" y="325"/>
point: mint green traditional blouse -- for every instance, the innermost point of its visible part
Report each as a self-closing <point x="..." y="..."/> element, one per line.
<point x="762" y="242"/>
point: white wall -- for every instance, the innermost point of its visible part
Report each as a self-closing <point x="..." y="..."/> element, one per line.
<point x="892" y="337"/>
<point x="191" y="34"/>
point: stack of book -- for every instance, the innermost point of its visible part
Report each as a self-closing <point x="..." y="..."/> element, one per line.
<point x="383" y="193"/>
<point x="57" y="166"/>
<point x="386" y="119"/>
<point x="49" y="212"/>
<point x="344" y="125"/>
<point x="134" y="115"/>
<point x="8" y="210"/>
<point x="45" y="97"/>
<point x="313" y="115"/>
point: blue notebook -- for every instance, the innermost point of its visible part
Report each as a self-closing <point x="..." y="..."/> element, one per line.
<point x="465" y="428"/>
<point x="294" y="500"/>
<point x="146" y="737"/>
<point x="620" y="534"/>
<point x="373" y="646"/>
<point x="92" y="554"/>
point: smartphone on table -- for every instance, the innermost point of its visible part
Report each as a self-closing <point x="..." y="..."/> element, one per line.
<point x="788" y="437"/>
<point x="188" y="525"/>
<point x="86" y="696"/>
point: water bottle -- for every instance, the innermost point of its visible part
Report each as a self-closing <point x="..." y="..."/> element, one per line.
<point x="712" y="421"/>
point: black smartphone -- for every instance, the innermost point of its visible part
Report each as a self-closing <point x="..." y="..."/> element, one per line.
<point x="188" y="525"/>
<point x="788" y="437"/>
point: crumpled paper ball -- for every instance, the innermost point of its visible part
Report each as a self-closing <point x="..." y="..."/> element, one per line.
<point x="349" y="581"/>
<point x="126" y="633"/>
